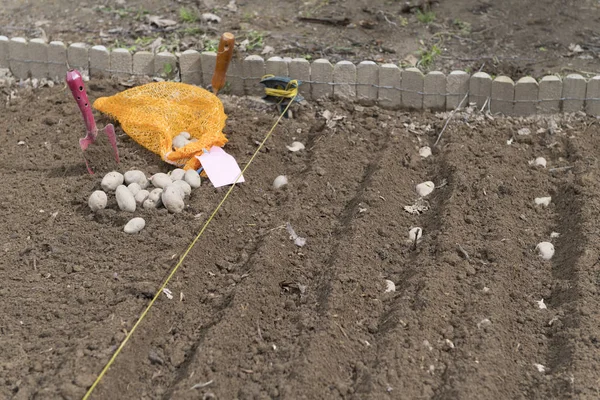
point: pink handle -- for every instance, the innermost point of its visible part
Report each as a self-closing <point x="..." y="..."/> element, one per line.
<point x="75" y="82"/>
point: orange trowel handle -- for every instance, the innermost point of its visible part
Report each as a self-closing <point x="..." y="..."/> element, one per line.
<point x="226" y="46"/>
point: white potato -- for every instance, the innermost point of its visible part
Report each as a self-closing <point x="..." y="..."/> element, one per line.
<point x="187" y="189"/>
<point x="125" y="199"/>
<point x="97" y="200"/>
<point x="136" y="176"/>
<point x="425" y="188"/>
<point x="192" y="178"/>
<point x="134" y="225"/>
<point x="141" y="196"/>
<point x="134" y="188"/>
<point x="280" y="182"/>
<point x="111" y="181"/>
<point x="172" y="199"/>
<point x="161" y="180"/>
<point x="177" y="174"/>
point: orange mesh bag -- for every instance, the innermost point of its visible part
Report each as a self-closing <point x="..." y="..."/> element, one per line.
<point x="154" y="113"/>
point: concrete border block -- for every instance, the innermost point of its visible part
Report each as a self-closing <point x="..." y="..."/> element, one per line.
<point x="165" y="65"/>
<point x="503" y="95"/>
<point x="57" y="60"/>
<point x="480" y="88"/>
<point x="77" y="57"/>
<point x="434" y="86"/>
<point x="367" y="82"/>
<point x="4" y="52"/>
<point x="99" y="61"/>
<point x="592" y="96"/>
<point x="299" y="69"/>
<point x="573" y="93"/>
<point x="526" y="96"/>
<point x="121" y="63"/>
<point x="235" y="72"/>
<point x="254" y="69"/>
<point x="18" y="53"/>
<point x="390" y="79"/>
<point x="38" y="58"/>
<point x="344" y="80"/>
<point x="321" y="76"/>
<point x="550" y="92"/>
<point x="143" y="63"/>
<point x="412" y="88"/>
<point x="276" y="66"/>
<point x="190" y="66"/>
<point x="208" y="61"/>
<point x="457" y="86"/>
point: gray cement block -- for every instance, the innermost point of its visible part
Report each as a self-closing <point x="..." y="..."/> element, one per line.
<point x="480" y="89"/>
<point x="390" y="79"/>
<point x="573" y="94"/>
<point x="435" y="91"/>
<point x="412" y="88"/>
<point x="457" y="86"/>
<point x="77" y="57"/>
<point x="299" y="69"/>
<point x="344" y="80"/>
<point x="526" y="96"/>
<point x="503" y="95"/>
<point x="99" y="62"/>
<point x="276" y="66"/>
<point x="165" y="65"/>
<point x="208" y="61"/>
<point x="57" y="61"/>
<point x="254" y="69"/>
<point x="38" y="58"/>
<point x="550" y="92"/>
<point x="367" y="82"/>
<point x="235" y="73"/>
<point x="191" y="67"/>
<point x="4" y="52"/>
<point x="18" y="53"/>
<point x="121" y="63"/>
<point x="321" y="76"/>
<point x="592" y="102"/>
<point x="143" y="63"/>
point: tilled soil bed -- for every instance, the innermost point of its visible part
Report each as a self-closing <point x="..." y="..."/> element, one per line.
<point x="255" y="316"/>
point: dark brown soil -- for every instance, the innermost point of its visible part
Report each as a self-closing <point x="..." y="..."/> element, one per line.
<point x="254" y="315"/>
<point x="510" y="37"/>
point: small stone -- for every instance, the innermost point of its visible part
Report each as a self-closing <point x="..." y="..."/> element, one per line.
<point x="415" y="234"/>
<point x="524" y="132"/>
<point x="425" y="151"/>
<point x="320" y="171"/>
<point x="543" y="201"/>
<point x="77" y="268"/>
<point x="390" y="286"/>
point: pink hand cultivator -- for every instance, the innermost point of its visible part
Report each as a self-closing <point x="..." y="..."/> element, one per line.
<point x="75" y="83"/>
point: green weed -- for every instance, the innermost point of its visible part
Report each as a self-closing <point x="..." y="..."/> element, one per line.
<point x="425" y="17"/>
<point x="187" y="15"/>
<point x="428" y="55"/>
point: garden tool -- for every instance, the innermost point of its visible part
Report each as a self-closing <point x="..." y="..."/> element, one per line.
<point x="75" y="83"/>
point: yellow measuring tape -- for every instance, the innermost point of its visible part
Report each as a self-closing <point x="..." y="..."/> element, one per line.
<point x="176" y="267"/>
<point x="289" y="92"/>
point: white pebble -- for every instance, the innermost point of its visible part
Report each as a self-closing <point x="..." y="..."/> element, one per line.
<point x="172" y="199"/>
<point x="295" y="146"/>
<point x="425" y="188"/>
<point x="177" y="174"/>
<point x="111" y="181"/>
<point x="541" y="304"/>
<point x="554" y="235"/>
<point x="134" y="225"/>
<point x="389" y="286"/>
<point x="415" y="234"/>
<point x="192" y="178"/>
<point x="280" y="181"/>
<point x="141" y="196"/>
<point x="161" y="180"/>
<point x="155" y="196"/>
<point x="538" y="162"/>
<point x="425" y="151"/>
<point x="125" y="199"/>
<point x="545" y="250"/>
<point x="541" y="369"/>
<point x="543" y="201"/>
<point x="187" y="189"/>
<point x="149" y="204"/>
<point x="97" y="200"/>
<point x="136" y="176"/>
<point x="134" y="188"/>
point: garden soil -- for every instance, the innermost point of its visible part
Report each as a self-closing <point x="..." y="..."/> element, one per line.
<point x="255" y="316"/>
<point x="476" y="313"/>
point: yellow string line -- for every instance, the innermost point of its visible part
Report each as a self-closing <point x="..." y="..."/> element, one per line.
<point x="166" y="282"/>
